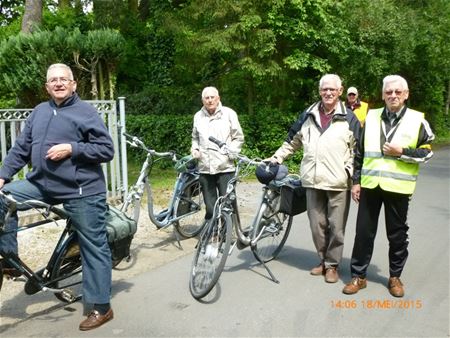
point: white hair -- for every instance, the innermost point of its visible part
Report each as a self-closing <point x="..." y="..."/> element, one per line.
<point x="331" y="77"/>
<point x="60" y="65"/>
<point x="395" y="78"/>
<point x="210" y="90"/>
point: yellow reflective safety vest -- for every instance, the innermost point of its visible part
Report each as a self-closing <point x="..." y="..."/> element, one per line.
<point x="389" y="172"/>
<point x="361" y="112"/>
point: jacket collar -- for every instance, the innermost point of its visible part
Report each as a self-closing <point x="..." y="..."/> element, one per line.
<point x="67" y="102"/>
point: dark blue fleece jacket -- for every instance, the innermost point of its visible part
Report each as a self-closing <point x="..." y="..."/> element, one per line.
<point x="75" y="122"/>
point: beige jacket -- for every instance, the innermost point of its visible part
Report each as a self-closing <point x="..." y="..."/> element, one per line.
<point x="328" y="155"/>
<point x="224" y="126"/>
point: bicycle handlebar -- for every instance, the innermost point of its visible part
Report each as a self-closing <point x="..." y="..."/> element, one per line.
<point x="138" y="143"/>
<point x="223" y="146"/>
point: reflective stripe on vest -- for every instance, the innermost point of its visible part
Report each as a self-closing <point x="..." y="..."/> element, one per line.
<point x="390" y="173"/>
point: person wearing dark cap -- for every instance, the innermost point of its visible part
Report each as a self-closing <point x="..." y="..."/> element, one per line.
<point x="328" y="133"/>
<point x="358" y="107"/>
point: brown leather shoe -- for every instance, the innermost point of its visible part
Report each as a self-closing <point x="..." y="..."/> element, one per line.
<point x="319" y="270"/>
<point x="355" y="285"/>
<point x="395" y="287"/>
<point x="331" y="275"/>
<point x="95" y="319"/>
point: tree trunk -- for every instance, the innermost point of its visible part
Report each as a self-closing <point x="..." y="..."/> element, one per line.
<point x="32" y="16"/>
<point x="101" y="81"/>
<point x="94" y="88"/>
<point x="448" y="98"/>
<point x="133" y="6"/>
<point x="144" y="9"/>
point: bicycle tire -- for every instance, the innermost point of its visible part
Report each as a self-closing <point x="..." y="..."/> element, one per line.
<point x="132" y="205"/>
<point x="190" y="201"/>
<point x="68" y="270"/>
<point x="210" y="256"/>
<point x="278" y="226"/>
<point x="1" y="274"/>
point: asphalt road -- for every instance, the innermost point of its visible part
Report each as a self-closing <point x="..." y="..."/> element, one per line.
<point x="247" y="303"/>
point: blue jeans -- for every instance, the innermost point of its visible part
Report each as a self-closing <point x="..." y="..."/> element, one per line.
<point x="88" y="217"/>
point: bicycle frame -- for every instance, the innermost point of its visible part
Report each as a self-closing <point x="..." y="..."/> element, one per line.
<point x="170" y="215"/>
<point x="41" y="280"/>
<point x="167" y="216"/>
<point x="226" y="204"/>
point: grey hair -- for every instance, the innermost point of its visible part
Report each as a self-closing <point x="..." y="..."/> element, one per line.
<point x="210" y="89"/>
<point x="332" y="77"/>
<point x="60" y="65"/>
<point x="395" y="78"/>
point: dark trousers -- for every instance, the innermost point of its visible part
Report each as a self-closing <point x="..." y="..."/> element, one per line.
<point x="395" y="209"/>
<point x="213" y="186"/>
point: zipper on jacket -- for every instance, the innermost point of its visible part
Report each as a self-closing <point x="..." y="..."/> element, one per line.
<point x="54" y="112"/>
<point x="81" y="191"/>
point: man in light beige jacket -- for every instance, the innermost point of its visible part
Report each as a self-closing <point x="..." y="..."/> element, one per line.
<point x="215" y="168"/>
<point x="328" y="132"/>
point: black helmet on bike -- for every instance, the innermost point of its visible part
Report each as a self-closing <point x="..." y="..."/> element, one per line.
<point x="267" y="172"/>
<point x="186" y="163"/>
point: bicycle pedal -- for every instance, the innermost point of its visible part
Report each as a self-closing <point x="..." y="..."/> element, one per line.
<point x="69" y="296"/>
<point x="272" y="229"/>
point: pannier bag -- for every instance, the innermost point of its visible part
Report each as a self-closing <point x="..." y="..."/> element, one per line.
<point x="121" y="230"/>
<point x="293" y="198"/>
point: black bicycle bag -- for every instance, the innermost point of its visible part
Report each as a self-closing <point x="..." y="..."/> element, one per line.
<point x="121" y="230"/>
<point x="293" y="198"/>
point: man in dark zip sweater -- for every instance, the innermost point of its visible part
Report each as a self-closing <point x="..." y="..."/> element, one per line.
<point x="66" y="141"/>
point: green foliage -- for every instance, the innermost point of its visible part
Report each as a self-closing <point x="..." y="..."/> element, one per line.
<point x="173" y="132"/>
<point x="263" y="56"/>
<point x="24" y="59"/>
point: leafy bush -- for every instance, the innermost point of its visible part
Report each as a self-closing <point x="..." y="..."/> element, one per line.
<point x="264" y="132"/>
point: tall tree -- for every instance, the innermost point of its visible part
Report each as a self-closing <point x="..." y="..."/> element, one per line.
<point x="32" y="16"/>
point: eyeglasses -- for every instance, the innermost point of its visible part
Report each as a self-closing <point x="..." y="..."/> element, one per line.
<point x="332" y="90"/>
<point x="54" y="80"/>
<point x="209" y="97"/>
<point x="397" y="92"/>
<point x="351" y="94"/>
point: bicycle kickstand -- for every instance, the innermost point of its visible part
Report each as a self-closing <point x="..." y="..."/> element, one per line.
<point x="177" y="237"/>
<point x="267" y="268"/>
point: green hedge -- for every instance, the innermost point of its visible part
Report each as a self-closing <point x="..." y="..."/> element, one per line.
<point x="264" y="132"/>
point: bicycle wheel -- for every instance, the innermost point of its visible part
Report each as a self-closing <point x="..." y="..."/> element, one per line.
<point x="277" y="227"/>
<point x="210" y="256"/>
<point x="67" y="273"/>
<point x="191" y="205"/>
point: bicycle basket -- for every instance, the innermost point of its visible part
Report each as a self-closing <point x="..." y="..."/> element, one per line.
<point x="121" y="230"/>
<point x="186" y="163"/>
<point x="293" y="198"/>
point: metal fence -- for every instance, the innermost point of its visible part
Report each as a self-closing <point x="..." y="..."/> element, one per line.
<point x="12" y="122"/>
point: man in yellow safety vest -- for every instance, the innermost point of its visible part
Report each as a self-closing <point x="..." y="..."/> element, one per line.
<point x="358" y="107"/>
<point x="395" y="139"/>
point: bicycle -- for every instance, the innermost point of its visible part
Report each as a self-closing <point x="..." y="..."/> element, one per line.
<point x="185" y="210"/>
<point x="62" y="273"/>
<point x="266" y="235"/>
